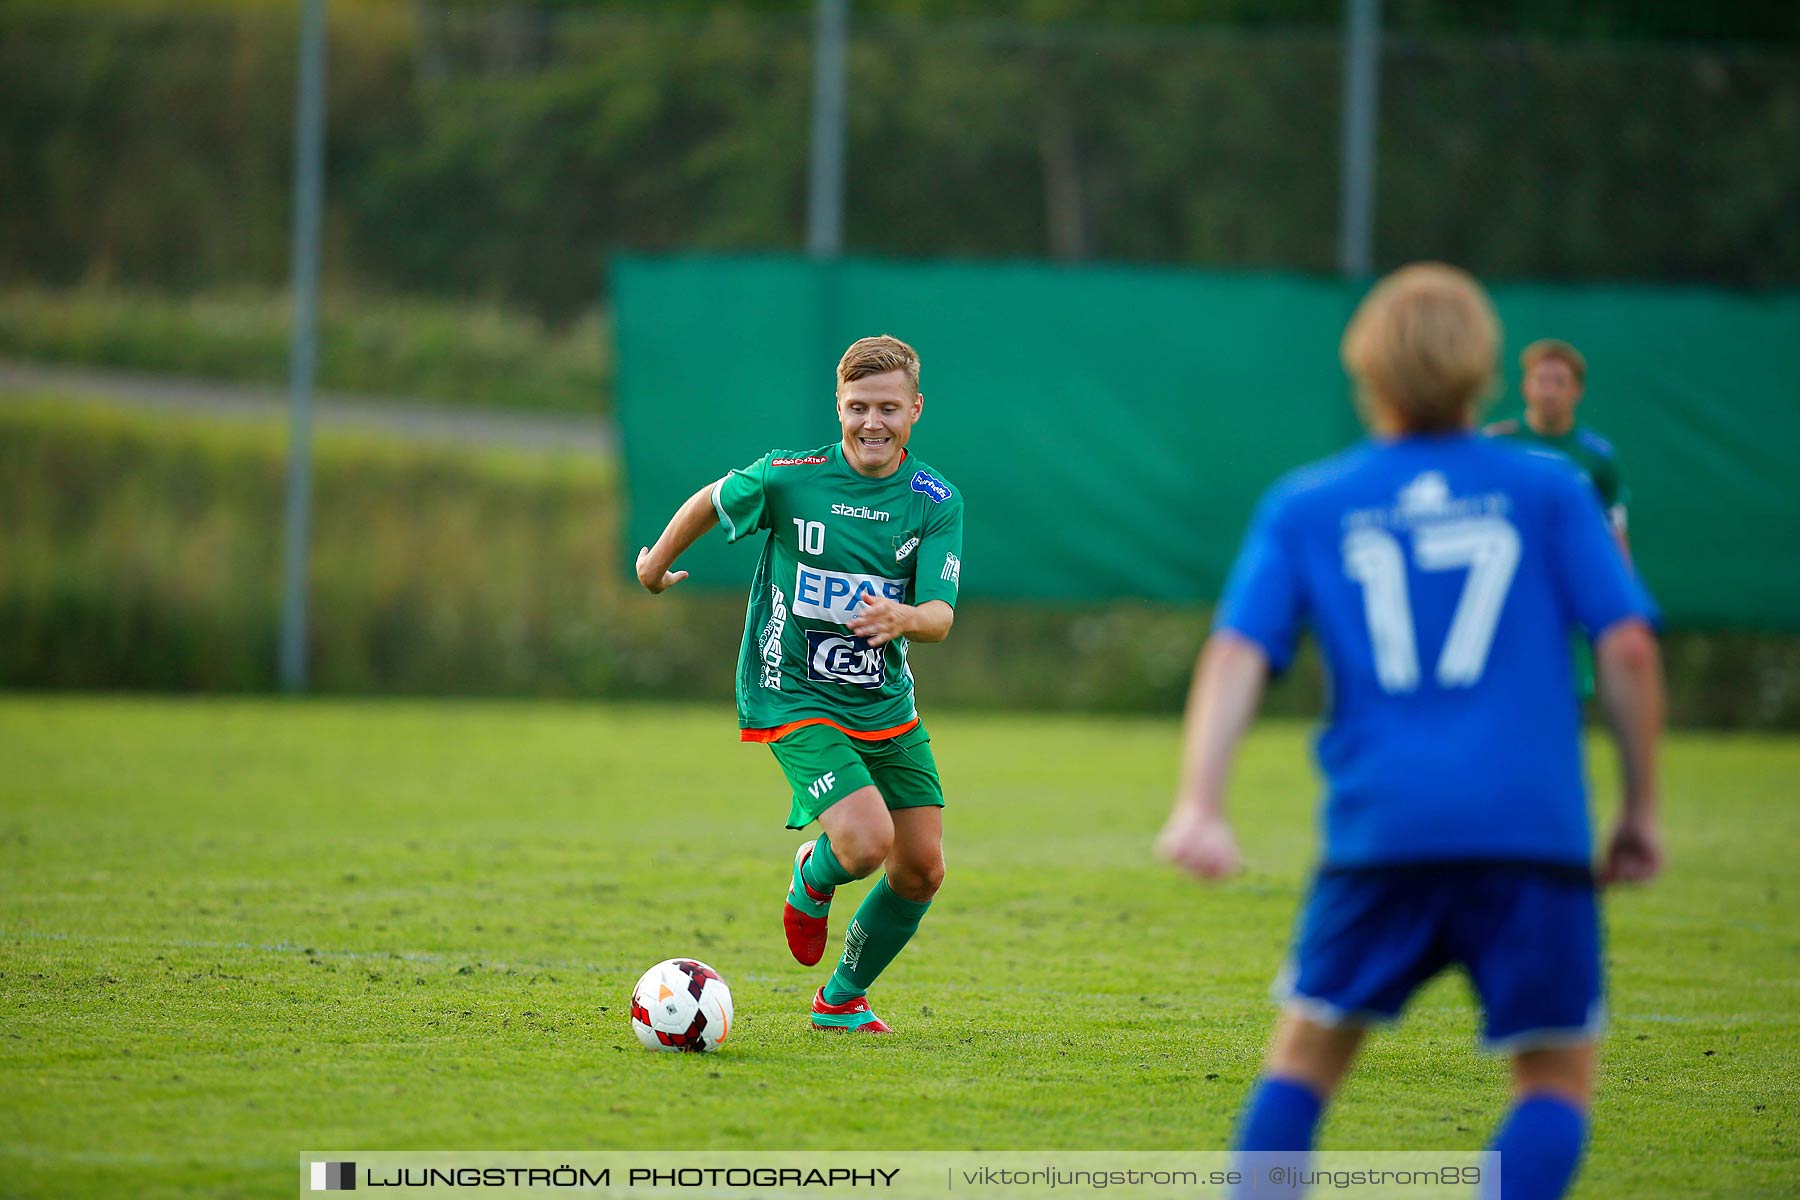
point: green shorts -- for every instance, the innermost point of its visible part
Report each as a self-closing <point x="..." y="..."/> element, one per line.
<point x="824" y="764"/>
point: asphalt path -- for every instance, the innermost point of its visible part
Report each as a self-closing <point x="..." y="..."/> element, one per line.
<point x="407" y="418"/>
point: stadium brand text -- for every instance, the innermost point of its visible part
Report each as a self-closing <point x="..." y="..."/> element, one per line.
<point x="866" y="513"/>
<point x="821" y="595"/>
<point x="811" y="460"/>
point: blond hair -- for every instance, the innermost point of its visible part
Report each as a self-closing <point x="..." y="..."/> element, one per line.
<point x="1558" y="349"/>
<point x="1422" y="346"/>
<point x="877" y="356"/>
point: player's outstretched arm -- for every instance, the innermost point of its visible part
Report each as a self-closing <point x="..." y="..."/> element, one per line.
<point x="1628" y="668"/>
<point x="693" y="518"/>
<point x="1228" y="685"/>
<point x="880" y="620"/>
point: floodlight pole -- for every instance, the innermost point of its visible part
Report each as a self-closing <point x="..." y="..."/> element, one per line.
<point x="825" y="192"/>
<point x="1362" y="83"/>
<point x="309" y="156"/>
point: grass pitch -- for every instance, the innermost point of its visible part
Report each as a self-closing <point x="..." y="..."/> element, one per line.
<point x="231" y="931"/>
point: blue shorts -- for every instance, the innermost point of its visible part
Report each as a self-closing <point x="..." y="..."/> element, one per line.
<point x="1528" y="935"/>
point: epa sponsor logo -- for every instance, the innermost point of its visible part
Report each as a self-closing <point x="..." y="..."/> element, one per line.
<point x="931" y="485"/>
<point x="811" y="460"/>
<point x="902" y="549"/>
<point x="833" y="596"/>
<point x="843" y="658"/>
<point x="858" y="510"/>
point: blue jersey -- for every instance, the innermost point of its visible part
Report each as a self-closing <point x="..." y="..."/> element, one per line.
<point x="1442" y="577"/>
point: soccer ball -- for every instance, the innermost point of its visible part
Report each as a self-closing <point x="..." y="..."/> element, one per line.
<point x="681" y="1004"/>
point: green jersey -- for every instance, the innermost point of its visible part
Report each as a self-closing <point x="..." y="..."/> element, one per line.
<point x="1591" y="454"/>
<point x="835" y="538"/>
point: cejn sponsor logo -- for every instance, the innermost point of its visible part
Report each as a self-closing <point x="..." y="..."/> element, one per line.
<point x="858" y="510"/>
<point x="770" y="643"/>
<point x="932" y="486"/>
<point x="843" y="658"/>
<point x="811" y="460"/>
<point x="833" y="596"/>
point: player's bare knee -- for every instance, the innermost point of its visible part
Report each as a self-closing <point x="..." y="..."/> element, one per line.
<point x="862" y="850"/>
<point x="916" y="881"/>
<point x="871" y="855"/>
<point x="1316" y="1055"/>
<point x="1564" y="1072"/>
<point x="861" y="830"/>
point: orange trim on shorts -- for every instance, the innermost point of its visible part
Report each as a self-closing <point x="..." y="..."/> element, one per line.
<point x="781" y="731"/>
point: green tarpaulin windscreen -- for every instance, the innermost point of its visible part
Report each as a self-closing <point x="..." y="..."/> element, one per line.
<point x="1111" y="428"/>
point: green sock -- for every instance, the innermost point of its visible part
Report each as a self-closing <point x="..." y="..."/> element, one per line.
<point x="822" y="871"/>
<point x="883" y="924"/>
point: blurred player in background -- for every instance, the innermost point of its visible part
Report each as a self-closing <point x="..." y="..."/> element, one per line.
<point x="1554" y="380"/>
<point x="1555" y="376"/>
<point x="1441" y="573"/>
<point x="863" y="553"/>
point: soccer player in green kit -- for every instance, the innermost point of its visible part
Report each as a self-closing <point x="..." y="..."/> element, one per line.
<point x="863" y="554"/>
<point x="1554" y="380"/>
<point x="1555" y="377"/>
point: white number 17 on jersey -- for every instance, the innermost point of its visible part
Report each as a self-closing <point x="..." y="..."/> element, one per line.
<point x="1488" y="547"/>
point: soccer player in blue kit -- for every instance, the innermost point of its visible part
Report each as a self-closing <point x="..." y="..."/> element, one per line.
<point x="1441" y="573"/>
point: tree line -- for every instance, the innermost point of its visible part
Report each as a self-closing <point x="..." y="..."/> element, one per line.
<point x="500" y="152"/>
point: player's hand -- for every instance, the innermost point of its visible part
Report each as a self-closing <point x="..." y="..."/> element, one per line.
<point x="656" y="579"/>
<point x="879" y="620"/>
<point x="1634" y="854"/>
<point x="1199" y="844"/>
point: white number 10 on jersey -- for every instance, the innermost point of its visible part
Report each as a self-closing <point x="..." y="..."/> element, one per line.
<point x="1487" y="547"/>
<point x="810" y="535"/>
